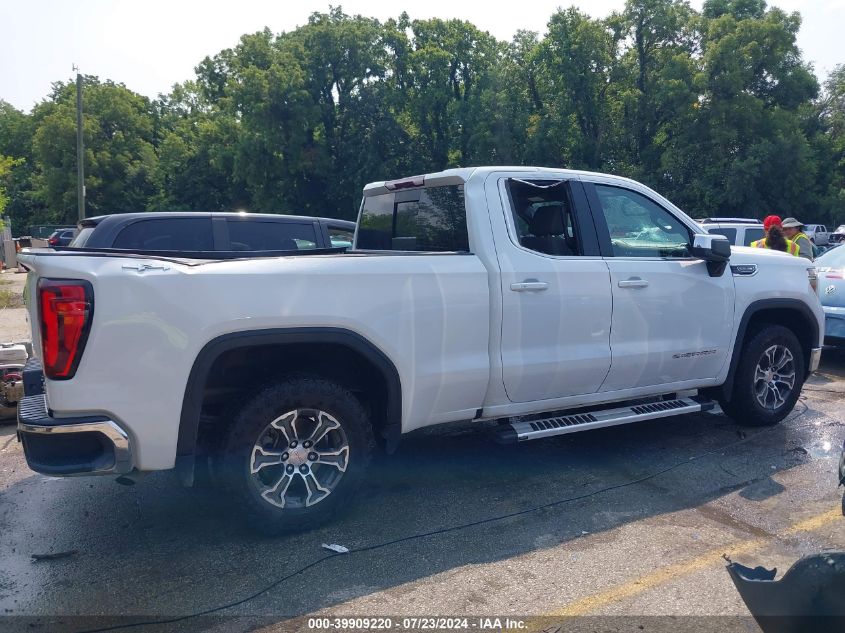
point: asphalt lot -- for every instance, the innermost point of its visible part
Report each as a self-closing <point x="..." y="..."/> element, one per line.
<point x="630" y="521"/>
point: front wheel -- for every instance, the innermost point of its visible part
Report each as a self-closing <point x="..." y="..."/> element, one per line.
<point x="296" y="454"/>
<point x="768" y="379"/>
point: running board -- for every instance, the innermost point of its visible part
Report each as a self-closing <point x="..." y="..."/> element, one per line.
<point x="522" y="430"/>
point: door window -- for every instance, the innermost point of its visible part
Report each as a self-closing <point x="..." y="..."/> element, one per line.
<point x="250" y="235"/>
<point x="543" y="218"/>
<point x="641" y="228"/>
<point x="728" y="233"/>
<point x="167" y="234"/>
<point x="752" y="235"/>
<point x="341" y="238"/>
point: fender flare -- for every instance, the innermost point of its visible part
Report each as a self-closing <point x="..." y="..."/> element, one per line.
<point x="755" y="307"/>
<point x="198" y="377"/>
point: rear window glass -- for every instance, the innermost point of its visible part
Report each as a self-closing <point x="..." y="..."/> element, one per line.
<point x="82" y="237"/>
<point x="752" y="235"/>
<point x="728" y="233"/>
<point x="249" y="235"/>
<point x="167" y="234"/>
<point x="431" y="220"/>
<point x="341" y="237"/>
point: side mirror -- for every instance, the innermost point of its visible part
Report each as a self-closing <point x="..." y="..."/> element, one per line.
<point x="713" y="249"/>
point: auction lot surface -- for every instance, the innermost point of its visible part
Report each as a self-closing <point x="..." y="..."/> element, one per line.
<point x="630" y="521"/>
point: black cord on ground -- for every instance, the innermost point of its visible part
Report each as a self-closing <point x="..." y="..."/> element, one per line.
<point x="446" y="530"/>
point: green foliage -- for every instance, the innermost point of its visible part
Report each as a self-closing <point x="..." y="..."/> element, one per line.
<point x="6" y="164"/>
<point x="715" y="109"/>
<point x="120" y="157"/>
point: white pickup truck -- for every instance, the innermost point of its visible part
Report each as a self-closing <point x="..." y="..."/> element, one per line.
<point x="551" y="301"/>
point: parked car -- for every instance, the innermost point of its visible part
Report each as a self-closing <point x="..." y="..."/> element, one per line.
<point x="206" y="232"/>
<point x="838" y="235"/>
<point x="831" y="272"/>
<point x="817" y="233"/>
<point x="551" y="301"/>
<point x="740" y="231"/>
<point x="62" y="237"/>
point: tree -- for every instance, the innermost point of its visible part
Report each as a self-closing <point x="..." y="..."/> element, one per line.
<point x="716" y="110"/>
<point x="577" y="59"/>
<point x="826" y="130"/>
<point x="16" y="130"/>
<point x="741" y="148"/>
<point x="6" y="164"/>
<point x="120" y="159"/>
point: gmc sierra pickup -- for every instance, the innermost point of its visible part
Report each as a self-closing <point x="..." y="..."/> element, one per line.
<point x="551" y="301"/>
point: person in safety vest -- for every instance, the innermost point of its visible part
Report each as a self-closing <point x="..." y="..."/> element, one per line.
<point x="794" y="232"/>
<point x="775" y="239"/>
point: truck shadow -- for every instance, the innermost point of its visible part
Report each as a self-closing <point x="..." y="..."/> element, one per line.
<point x="157" y="550"/>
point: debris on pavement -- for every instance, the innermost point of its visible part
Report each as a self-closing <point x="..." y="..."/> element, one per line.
<point x="55" y="556"/>
<point x="340" y="549"/>
<point x="809" y="597"/>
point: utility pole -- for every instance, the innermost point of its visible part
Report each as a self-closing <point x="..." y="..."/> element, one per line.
<point x="80" y="152"/>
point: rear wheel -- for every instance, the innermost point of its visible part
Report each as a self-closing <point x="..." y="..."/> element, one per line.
<point x="297" y="453"/>
<point x="768" y="379"/>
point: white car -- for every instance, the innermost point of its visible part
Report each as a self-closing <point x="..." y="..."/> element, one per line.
<point x="740" y="231"/>
<point x="551" y="301"/>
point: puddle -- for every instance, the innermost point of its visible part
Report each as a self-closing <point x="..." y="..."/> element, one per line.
<point x="824" y="449"/>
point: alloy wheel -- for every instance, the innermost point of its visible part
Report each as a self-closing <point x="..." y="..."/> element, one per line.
<point x="299" y="458"/>
<point x="774" y="378"/>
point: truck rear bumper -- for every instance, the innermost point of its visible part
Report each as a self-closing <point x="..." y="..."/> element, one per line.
<point x="69" y="446"/>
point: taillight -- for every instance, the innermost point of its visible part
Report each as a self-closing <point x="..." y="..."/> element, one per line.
<point x="53" y="241"/>
<point x="66" y="308"/>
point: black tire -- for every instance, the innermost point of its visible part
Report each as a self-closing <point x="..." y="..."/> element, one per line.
<point x="312" y="399"/>
<point x="744" y="406"/>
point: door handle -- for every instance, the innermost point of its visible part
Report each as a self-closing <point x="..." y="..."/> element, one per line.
<point x="633" y="282"/>
<point x="529" y="285"/>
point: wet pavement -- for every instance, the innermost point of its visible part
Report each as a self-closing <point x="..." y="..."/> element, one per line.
<point x="620" y="523"/>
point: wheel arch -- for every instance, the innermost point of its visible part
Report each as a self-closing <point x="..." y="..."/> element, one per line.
<point x="353" y="344"/>
<point x="791" y="313"/>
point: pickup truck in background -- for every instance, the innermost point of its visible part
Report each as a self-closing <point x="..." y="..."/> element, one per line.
<point x="818" y="234"/>
<point x="551" y="301"/>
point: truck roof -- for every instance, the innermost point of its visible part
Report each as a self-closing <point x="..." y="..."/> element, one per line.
<point x="461" y="175"/>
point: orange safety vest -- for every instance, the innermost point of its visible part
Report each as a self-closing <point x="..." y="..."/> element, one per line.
<point x="791" y="247"/>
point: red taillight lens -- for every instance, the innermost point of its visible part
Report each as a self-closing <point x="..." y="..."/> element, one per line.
<point x="66" y="309"/>
<point x="53" y="241"/>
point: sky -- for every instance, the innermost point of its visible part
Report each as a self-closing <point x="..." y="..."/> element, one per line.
<point x="149" y="45"/>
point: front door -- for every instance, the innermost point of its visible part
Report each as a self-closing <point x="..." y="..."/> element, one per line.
<point x="672" y="321"/>
<point x="556" y="298"/>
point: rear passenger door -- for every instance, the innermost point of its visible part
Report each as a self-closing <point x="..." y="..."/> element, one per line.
<point x="556" y="299"/>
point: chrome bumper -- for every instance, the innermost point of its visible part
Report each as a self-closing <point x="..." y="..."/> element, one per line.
<point x="815" y="358"/>
<point x="90" y="445"/>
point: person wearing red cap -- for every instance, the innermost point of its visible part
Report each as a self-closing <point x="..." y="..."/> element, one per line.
<point x="775" y="239"/>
